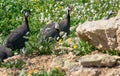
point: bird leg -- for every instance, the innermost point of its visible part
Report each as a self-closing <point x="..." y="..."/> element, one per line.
<point x="23" y="50"/>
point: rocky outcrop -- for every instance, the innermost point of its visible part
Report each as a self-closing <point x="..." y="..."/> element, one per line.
<point x="86" y="72"/>
<point x="89" y="65"/>
<point x="97" y="72"/>
<point x="98" y="60"/>
<point x="71" y="64"/>
<point x="103" y="34"/>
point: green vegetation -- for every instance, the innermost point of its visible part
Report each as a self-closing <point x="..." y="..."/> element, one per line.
<point x="84" y="48"/>
<point x="111" y="52"/>
<point x="46" y="11"/>
<point x="54" y="72"/>
<point x="40" y="47"/>
<point x="18" y="64"/>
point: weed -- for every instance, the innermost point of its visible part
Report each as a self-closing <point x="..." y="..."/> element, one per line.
<point x="54" y="72"/>
<point x="83" y="48"/>
<point x="19" y="64"/>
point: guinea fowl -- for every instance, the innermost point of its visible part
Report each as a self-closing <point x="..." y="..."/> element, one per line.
<point x="53" y="30"/>
<point x="110" y="13"/>
<point x="5" y="52"/>
<point x="16" y="40"/>
<point x="64" y="25"/>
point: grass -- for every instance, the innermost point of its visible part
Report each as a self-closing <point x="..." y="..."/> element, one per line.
<point x="46" y="11"/>
<point x="111" y="52"/>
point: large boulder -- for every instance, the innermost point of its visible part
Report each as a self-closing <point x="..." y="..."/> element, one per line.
<point x="103" y="34"/>
<point x="99" y="60"/>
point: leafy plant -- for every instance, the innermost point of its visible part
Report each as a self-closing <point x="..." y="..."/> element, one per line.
<point x="19" y="64"/>
<point x="54" y="72"/>
<point x="41" y="46"/>
<point x="84" y="48"/>
<point x="111" y="52"/>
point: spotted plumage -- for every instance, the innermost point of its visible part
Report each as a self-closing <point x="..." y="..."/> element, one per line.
<point x="16" y="40"/>
<point x="53" y="29"/>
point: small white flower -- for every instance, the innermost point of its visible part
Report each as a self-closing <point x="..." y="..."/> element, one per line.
<point x="40" y="47"/>
<point x="50" y="5"/>
<point x="91" y="1"/>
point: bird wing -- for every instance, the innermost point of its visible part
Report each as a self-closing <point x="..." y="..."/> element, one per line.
<point x="47" y="28"/>
<point x="50" y="31"/>
<point x="63" y="23"/>
<point x="18" y="33"/>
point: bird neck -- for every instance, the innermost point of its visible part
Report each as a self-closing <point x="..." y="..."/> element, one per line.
<point x="26" y="22"/>
<point x="68" y="16"/>
<point x="109" y="15"/>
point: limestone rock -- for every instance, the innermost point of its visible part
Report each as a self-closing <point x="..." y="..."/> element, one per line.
<point x="98" y="60"/>
<point x="64" y="62"/>
<point x="103" y="34"/>
<point x="113" y="72"/>
<point x="68" y="63"/>
<point x="58" y="61"/>
<point x="86" y="72"/>
<point x="71" y="65"/>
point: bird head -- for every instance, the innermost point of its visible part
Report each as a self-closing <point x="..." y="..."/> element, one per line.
<point x="68" y="9"/>
<point x="27" y="13"/>
<point x="57" y="26"/>
<point x="111" y="12"/>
